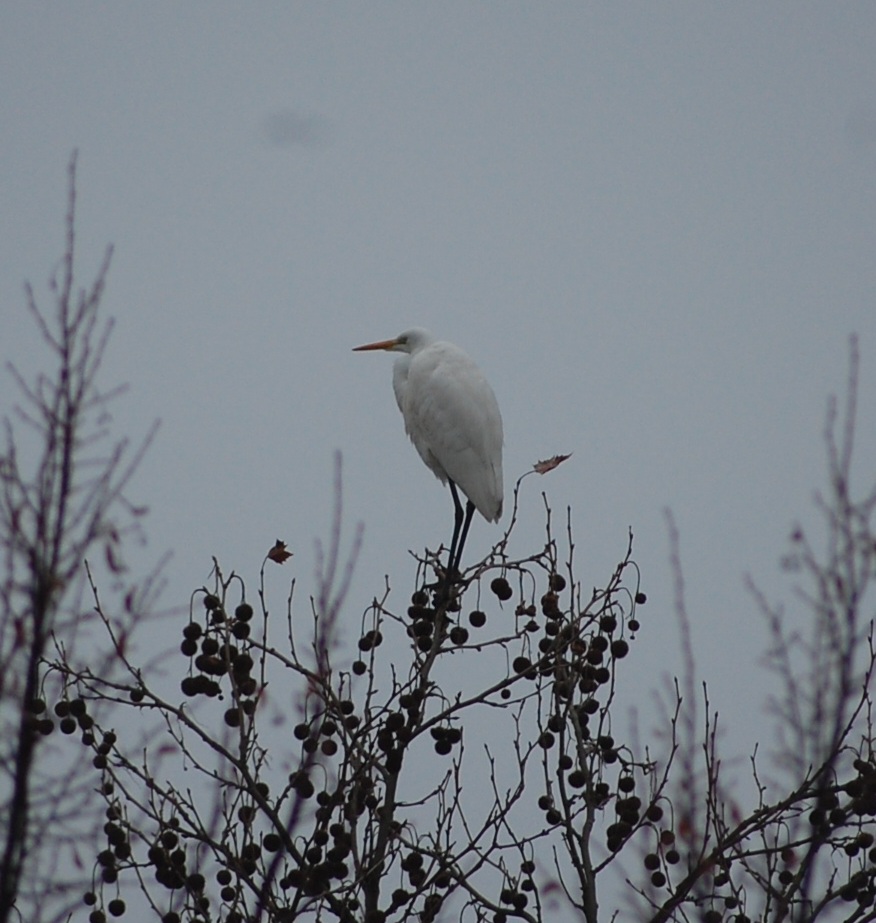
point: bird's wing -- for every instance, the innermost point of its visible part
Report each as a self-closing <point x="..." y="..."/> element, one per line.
<point x="453" y="419"/>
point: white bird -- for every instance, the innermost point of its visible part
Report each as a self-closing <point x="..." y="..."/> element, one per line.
<point x="453" y="420"/>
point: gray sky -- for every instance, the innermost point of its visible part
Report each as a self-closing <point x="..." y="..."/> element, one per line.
<point x="652" y="225"/>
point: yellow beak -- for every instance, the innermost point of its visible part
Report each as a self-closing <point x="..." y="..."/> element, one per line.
<point x="381" y="344"/>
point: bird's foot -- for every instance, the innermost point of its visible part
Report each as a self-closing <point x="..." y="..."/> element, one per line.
<point x="447" y="590"/>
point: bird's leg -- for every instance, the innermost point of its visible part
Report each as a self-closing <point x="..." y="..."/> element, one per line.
<point x="458" y="516"/>
<point x="469" y="512"/>
<point x="461" y="523"/>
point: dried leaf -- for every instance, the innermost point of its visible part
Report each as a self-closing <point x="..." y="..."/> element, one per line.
<point x="278" y="554"/>
<point x="542" y="467"/>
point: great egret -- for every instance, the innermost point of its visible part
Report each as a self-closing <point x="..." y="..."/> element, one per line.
<point x="453" y="419"/>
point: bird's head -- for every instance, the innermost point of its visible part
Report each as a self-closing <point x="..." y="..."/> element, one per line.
<point x="408" y="342"/>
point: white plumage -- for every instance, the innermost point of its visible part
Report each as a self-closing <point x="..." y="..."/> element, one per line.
<point x="453" y="420"/>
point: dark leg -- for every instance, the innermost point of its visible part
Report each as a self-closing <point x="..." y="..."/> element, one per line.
<point x="458" y="516"/>
<point x="461" y="523"/>
<point x="469" y="512"/>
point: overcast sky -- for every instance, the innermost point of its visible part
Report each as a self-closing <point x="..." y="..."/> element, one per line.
<point x="652" y="225"/>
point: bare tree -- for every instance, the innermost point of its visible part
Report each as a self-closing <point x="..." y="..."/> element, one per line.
<point x="805" y="849"/>
<point x="62" y="478"/>
<point x="459" y="763"/>
<point x="396" y="798"/>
